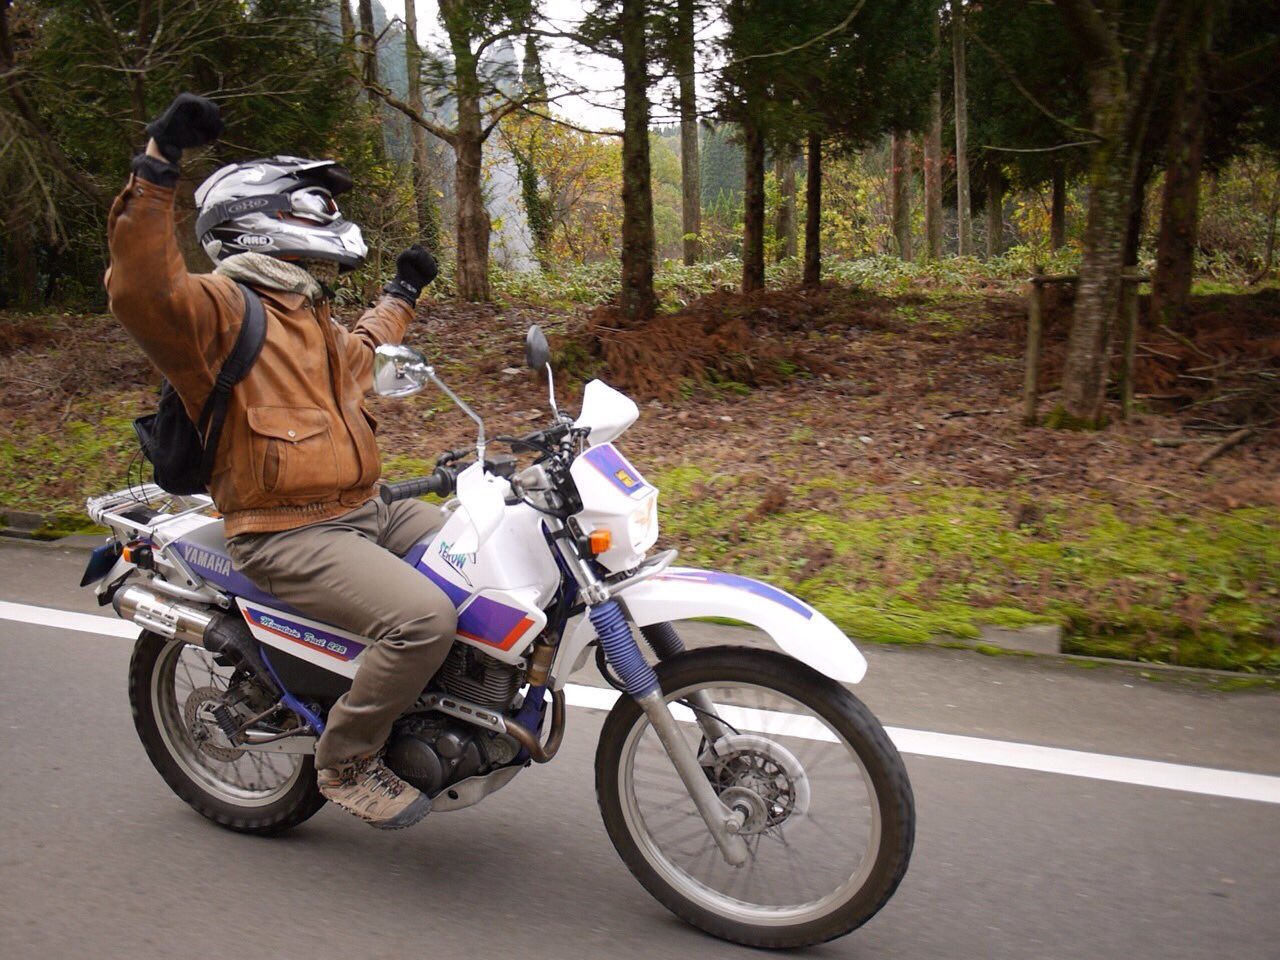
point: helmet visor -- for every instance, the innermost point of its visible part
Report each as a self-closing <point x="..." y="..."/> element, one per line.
<point x="314" y="205"/>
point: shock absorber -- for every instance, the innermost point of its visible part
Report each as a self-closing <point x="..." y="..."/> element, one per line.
<point x="664" y="639"/>
<point x="621" y="650"/>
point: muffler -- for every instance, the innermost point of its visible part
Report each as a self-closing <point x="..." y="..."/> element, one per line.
<point x="218" y="632"/>
<point x="173" y="621"/>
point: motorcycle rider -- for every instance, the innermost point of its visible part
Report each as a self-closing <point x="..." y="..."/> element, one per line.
<point x="297" y="468"/>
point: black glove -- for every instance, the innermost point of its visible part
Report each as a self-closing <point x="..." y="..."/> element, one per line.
<point x="415" y="268"/>
<point x="189" y="121"/>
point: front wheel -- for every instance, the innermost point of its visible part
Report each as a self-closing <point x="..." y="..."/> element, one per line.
<point x="829" y="814"/>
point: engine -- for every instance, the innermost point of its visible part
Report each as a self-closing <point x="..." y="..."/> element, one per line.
<point x="469" y="674"/>
<point x="432" y="751"/>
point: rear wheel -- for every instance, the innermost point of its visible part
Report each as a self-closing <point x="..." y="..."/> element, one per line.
<point x="173" y="686"/>
<point x="829" y="814"/>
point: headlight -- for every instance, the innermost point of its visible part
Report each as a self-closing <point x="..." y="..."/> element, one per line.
<point x="642" y="525"/>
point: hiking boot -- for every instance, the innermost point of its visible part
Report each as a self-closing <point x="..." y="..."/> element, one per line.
<point x="366" y="788"/>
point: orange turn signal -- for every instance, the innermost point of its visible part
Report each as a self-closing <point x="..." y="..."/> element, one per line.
<point x="600" y="540"/>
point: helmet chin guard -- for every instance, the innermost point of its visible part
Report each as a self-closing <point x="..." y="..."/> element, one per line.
<point x="280" y="206"/>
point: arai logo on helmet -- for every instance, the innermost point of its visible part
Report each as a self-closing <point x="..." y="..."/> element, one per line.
<point x="253" y="240"/>
<point x="247" y="205"/>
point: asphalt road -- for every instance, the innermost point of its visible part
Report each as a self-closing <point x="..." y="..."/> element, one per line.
<point x="98" y="859"/>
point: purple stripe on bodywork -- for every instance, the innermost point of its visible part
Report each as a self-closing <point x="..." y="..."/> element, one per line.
<point x="457" y="595"/>
<point x="319" y="640"/>
<point x="485" y="619"/>
<point x="617" y="470"/>
<point x="740" y="583"/>
<point x="489" y="620"/>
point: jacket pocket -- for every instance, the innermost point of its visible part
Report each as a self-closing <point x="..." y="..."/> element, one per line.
<point x="293" y="452"/>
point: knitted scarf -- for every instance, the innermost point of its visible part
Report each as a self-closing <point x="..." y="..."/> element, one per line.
<point x="264" y="271"/>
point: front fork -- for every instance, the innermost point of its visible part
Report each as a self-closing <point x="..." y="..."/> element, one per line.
<point x="626" y="660"/>
<point x="624" y="657"/>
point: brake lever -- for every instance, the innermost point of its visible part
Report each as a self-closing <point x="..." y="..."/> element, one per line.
<point x="451" y="456"/>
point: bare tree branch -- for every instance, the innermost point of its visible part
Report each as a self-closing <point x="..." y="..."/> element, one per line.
<point x="31" y="119"/>
<point x="446" y="134"/>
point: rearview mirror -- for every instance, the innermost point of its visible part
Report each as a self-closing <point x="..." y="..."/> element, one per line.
<point x="536" y="351"/>
<point x="399" y="371"/>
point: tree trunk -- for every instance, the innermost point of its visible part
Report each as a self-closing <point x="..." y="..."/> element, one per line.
<point x="813" y="212"/>
<point x="784" y="230"/>
<point x="346" y="23"/>
<point x="900" y="177"/>
<point x="424" y="200"/>
<point x="1179" y="211"/>
<point x="1137" y="213"/>
<point x="753" y="207"/>
<point x="1058" y="207"/>
<point x="1111" y="175"/>
<point x="637" y="300"/>
<point x="473" y="219"/>
<point x="690" y="175"/>
<point x="348" y="27"/>
<point x="995" y="210"/>
<point x="1121" y="90"/>
<point x="20" y="271"/>
<point x="369" y="70"/>
<point x="933" y="157"/>
<point x="963" y="218"/>
<point x="472" y="275"/>
<point x="368" y="51"/>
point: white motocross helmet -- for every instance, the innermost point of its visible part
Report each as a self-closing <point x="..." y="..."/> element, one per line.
<point x="280" y="206"/>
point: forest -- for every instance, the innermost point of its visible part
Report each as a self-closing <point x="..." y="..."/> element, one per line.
<point x="952" y="317"/>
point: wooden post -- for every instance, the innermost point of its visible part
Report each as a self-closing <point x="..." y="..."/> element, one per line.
<point x="1034" y="314"/>
<point x="1129" y="315"/>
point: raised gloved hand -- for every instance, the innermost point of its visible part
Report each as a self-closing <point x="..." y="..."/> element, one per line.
<point x="190" y="121"/>
<point x="415" y="268"/>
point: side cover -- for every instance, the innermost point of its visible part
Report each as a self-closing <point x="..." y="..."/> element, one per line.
<point x="682" y="593"/>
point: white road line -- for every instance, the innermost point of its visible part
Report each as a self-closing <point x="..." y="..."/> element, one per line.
<point x="66" y="620"/>
<point x="1001" y="753"/>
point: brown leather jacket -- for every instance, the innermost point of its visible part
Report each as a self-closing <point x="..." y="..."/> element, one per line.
<point x="297" y="444"/>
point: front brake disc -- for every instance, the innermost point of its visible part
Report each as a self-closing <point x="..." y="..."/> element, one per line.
<point x="746" y="763"/>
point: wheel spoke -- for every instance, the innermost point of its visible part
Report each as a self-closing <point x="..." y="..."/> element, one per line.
<point x="248" y="778"/>
<point x="812" y="823"/>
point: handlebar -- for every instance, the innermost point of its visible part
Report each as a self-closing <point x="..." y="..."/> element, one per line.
<point x="442" y="482"/>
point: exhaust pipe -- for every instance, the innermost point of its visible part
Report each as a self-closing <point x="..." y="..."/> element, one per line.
<point x="216" y="631"/>
<point x="171" y="620"/>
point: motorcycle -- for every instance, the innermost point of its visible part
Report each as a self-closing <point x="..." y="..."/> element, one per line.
<point x="746" y="789"/>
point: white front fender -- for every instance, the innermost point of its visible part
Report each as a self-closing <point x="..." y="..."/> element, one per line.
<point x="682" y="593"/>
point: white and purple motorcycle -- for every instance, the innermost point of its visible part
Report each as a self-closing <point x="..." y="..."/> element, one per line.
<point x="745" y="788"/>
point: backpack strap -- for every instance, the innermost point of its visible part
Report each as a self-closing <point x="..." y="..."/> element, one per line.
<point x="253" y="332"/>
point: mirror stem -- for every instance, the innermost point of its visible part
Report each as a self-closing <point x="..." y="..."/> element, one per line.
<point x="551" y="391"/>
<point x="480" y="443"/>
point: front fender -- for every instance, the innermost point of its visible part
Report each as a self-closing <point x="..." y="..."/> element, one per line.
<point x="682" y="593"/>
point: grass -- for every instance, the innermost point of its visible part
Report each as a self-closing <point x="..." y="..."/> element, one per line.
<point x="47" y="468"/>
<point x="943" y="561"/>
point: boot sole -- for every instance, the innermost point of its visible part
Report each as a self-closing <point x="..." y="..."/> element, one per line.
<point x="412" y="814"/>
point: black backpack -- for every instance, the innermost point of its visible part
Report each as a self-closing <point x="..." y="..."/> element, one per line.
<point x="182" y="453"/>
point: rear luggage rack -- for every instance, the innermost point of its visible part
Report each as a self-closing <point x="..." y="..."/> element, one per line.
<point x="140" y="511"/>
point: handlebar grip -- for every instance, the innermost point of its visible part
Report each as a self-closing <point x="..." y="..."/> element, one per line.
<point x="439" y="483"/>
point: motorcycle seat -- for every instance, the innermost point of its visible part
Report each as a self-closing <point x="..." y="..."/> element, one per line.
<point x="204" y="550"/>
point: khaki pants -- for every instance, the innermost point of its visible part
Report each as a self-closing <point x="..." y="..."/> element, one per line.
<point x="348" y="572"/>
